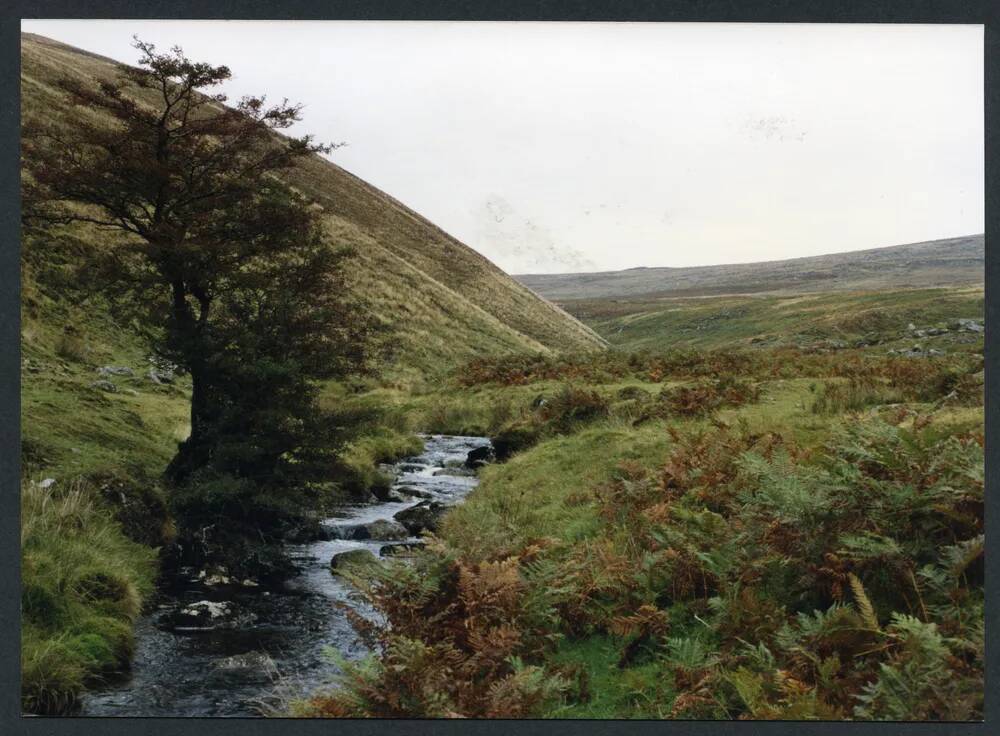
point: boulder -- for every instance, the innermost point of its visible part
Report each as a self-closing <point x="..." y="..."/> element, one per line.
<point x="479" y="457"/>
<point x="104" y="385"/>
<point x="425" y="516"/>
<point x="381" y="529"/>
<point x="351" y="557"/>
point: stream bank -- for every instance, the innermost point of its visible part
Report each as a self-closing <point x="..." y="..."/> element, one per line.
<point x="242" y="650"/>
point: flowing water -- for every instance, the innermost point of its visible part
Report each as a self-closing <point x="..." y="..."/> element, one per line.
<point x="271" y="647"/>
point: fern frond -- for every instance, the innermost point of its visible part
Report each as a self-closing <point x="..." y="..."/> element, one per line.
<point x="865" y="607"/>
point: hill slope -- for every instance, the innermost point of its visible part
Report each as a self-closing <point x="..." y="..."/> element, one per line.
<point x="935" y="263"/>
<point x="447" y="302"/>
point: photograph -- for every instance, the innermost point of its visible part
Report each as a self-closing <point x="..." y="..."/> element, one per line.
<point x="399" y="369"/>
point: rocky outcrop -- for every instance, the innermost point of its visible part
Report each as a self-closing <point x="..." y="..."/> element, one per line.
<point x="425" y="516"/>
<point x="351" y="557"/>
<point x="116" y="370"/>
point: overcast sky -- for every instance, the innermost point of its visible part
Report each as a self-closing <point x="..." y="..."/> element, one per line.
<point x="553" y="147"/>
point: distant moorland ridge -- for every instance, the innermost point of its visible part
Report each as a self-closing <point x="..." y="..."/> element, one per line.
<point x="950" y="262"/>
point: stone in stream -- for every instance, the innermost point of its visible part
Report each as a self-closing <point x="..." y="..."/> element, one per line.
<point x="387" y="494"/>
<point x="425" y="516"/>
<point x="351" y="557"/>
<point x="381" y="529"/>
<point x="202" y="615"/>
<point x="479" y="457"/>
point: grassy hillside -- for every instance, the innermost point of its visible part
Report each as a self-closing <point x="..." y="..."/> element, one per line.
<point x="830" y="318"/>
<point x="772" y="533"/>
<point x="935" y="263"/>
<point x="445" y="302"/>
<point x="92" y="456"/>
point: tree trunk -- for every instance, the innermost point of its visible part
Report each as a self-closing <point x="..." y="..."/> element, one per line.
<point x="194" y="451"/>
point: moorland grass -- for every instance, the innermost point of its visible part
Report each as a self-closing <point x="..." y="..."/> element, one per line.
<point x="83" y="584"/>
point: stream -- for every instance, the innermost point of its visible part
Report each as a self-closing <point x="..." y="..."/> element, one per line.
<point x="270" y="646"/>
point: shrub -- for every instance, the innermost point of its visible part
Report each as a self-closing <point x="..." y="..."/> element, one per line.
<point x="563" y="413"/>
<point x="854" y="395"/>
<point x="71" y="346"/>
<point x="454" y="643"/>
<point x="705" y="397"/>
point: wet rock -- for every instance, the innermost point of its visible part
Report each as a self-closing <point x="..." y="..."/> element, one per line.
<point x="391" y="550"/>
<point x="218" y="577"/>
<point x="381" y="529"/>
<point x="116" y="370"/>
<point x="479" y="457"/>
<point x="104" y="385"/>
<point x="351" y="557"/>
<point x="425" y="516"/>
<point x="386" y="494"/>
<point x="200" y="615"/>
<point x="412" y="468"/>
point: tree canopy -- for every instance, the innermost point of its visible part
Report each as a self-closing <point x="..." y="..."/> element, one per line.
<point x="229" y="267"/>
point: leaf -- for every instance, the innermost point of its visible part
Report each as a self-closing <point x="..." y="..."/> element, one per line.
<point x="865" y="607"/>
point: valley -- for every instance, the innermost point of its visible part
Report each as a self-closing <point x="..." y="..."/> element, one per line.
<point x="735" y="492"/>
